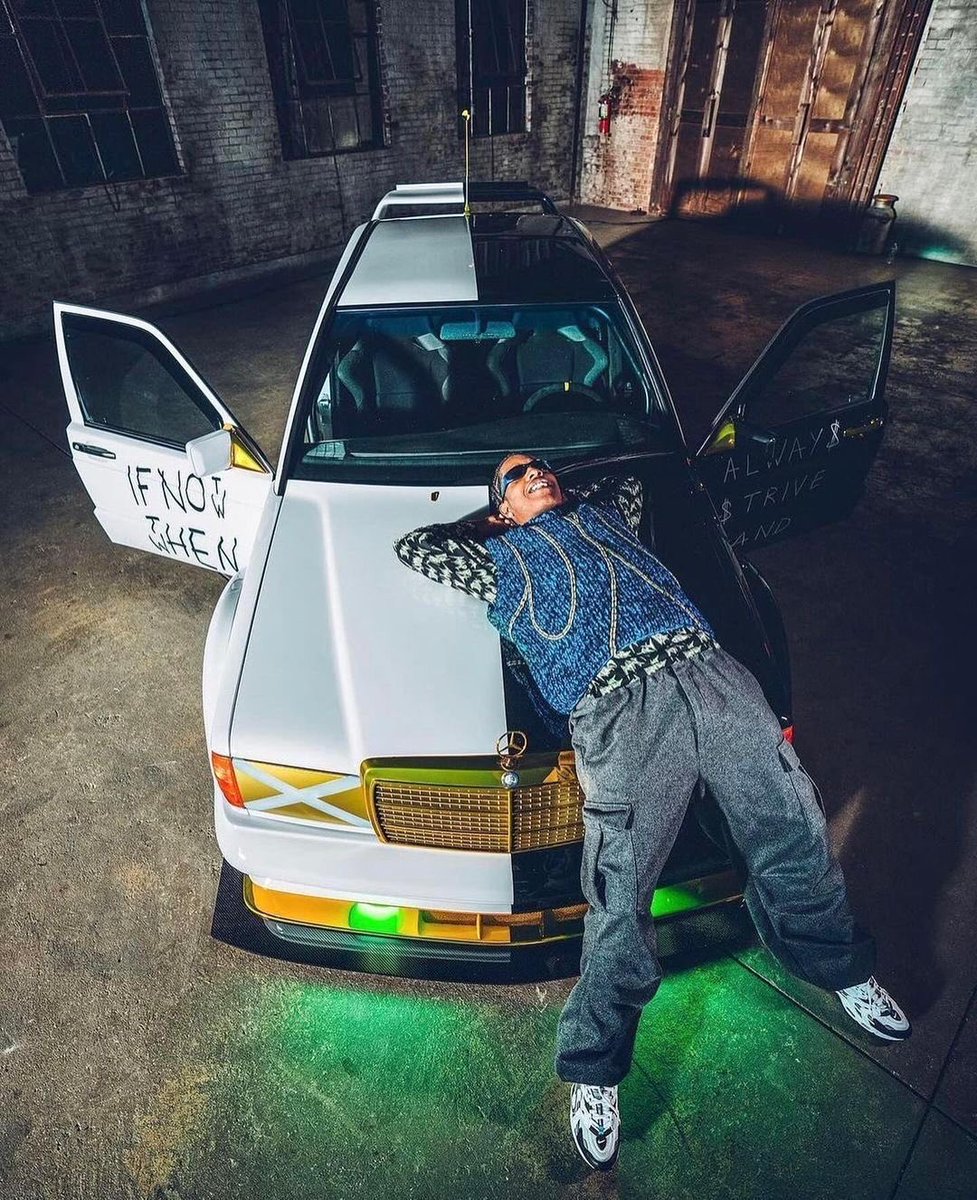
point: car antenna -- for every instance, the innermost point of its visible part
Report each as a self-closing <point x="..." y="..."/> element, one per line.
<point x="467" y="118"/>
<point x="466" y="113"/>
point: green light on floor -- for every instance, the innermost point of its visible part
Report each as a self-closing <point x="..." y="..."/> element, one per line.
<point x="374" y="918"/>
<point x="940" y="254"/>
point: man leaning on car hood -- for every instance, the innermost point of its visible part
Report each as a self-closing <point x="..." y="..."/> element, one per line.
<point x="654" y="705"/>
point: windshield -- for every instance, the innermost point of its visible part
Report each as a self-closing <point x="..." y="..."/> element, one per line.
<point x="439" y="394"/>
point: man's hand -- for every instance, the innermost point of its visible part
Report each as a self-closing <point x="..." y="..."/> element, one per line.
<point x="488" y="527"/>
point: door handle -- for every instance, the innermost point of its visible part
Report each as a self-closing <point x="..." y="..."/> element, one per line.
<point x="860" y="431"/>
<point x="98" y="451"/>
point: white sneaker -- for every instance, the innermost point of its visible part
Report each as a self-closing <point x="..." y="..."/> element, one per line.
<point x="874" y="1009"/>
<point x="595" y="1124"/>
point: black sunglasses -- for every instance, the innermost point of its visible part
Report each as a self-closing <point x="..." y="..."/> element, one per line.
<point x="518" y="471"/>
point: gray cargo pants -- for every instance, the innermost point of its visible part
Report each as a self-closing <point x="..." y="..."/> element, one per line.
<point x="640" y="751"/>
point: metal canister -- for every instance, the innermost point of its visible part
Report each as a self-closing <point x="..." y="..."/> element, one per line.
<point x="875" y="227"/>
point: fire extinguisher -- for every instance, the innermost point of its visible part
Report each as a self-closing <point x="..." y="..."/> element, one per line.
<point x="604" y="114"/>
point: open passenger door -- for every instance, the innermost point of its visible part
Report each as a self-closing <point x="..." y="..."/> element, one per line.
<point x="134" y="403"/>
<point x="792" y="446"/>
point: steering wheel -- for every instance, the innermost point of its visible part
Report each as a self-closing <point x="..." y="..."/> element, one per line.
<point x="577" y="390"/>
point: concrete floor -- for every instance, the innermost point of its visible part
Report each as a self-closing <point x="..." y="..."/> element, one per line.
<point x="140" y="1058"/>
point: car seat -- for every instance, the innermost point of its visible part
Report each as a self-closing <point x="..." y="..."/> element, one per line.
<point x="549" y="358"/>
<point x="389" y="380"/>
<point x="476" y="386"/>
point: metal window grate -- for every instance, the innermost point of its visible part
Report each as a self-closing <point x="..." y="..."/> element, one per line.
<point x="80" y="98"/>
<point x="323" y="57"/>
<point x="492" y="64"/>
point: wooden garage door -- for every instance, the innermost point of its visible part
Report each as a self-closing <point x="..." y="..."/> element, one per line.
<point x="719" y="67"/>
<point x="781" y="98"/>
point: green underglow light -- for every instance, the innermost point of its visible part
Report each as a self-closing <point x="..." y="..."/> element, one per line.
<point x="374" y="918"/>
<point x="670" y="900"/>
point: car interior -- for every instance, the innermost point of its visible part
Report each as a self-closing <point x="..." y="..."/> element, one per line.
<point x="412" y="373"/>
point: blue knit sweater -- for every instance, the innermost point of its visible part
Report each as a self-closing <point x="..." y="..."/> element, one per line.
<point x="575" y="588"/>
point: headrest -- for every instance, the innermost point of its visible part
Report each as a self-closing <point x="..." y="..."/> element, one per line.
<point x="475" y="331"/>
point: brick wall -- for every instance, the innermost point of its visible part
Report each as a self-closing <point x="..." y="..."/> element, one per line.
<point x="628" y="56"/>
<point x="238" y="207"/>
<point x="931" y="164"/>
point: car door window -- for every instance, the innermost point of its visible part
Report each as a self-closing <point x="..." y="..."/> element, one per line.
<point x="124" y="385"/>
<point x="790" y="449"/>
<point x="833" y="364"/>
<point x="134" y="401"/>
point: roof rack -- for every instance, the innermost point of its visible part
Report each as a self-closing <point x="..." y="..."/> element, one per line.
<point x="517" y="191"/>
<point x="412" y="195"/>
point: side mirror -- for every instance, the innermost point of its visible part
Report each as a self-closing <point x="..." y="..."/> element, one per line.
<point x="211" y="453"/>
<point x="737" y="433"/>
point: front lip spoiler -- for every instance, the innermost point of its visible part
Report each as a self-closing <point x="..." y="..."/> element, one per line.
<point x="686" y="938"/>
<point x="310" y="919"/>
<point x="384" y="945"/>
<point x="470" y="937"/>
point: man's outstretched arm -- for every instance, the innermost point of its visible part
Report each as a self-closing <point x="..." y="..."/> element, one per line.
<point x="454" y="555"/>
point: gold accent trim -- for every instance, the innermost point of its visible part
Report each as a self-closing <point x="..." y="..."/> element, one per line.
<point x="860" y="431"/>
<point x="300" y="793"/>
<point x="244" y="453"/>
<point x="437" y="803"/>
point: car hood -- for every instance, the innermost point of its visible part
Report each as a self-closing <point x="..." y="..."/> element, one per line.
<point x="351" y="655"/>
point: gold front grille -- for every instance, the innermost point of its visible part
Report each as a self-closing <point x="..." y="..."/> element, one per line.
<point x="546" y="815"/>
<point x="479" y="818"/>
